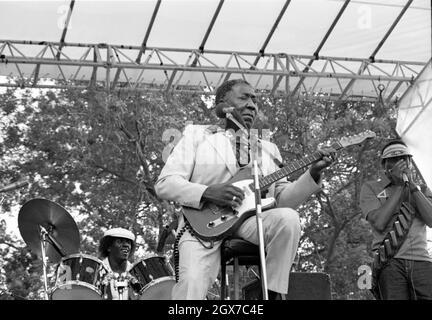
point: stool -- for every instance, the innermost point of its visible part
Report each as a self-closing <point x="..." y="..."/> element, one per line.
<point x="236" y="252"/>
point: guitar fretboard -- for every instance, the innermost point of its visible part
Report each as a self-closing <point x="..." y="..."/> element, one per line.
<point x="266" y="181"/>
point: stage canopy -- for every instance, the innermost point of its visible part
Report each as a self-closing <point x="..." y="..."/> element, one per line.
<point x="415" y="119"/>
<point x="339" y="49"/>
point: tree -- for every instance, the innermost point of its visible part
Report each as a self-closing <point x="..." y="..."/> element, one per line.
<point x="99" y="156"/>
<point x="335" y="239"/>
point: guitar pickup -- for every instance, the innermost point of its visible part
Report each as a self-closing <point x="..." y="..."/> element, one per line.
<point x="222" y="219"/>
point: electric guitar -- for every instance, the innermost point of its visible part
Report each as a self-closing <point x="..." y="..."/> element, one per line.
<point x="213" y="222"/>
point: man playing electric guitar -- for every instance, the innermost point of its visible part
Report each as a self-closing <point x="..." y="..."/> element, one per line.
<point x="197" y="172"/>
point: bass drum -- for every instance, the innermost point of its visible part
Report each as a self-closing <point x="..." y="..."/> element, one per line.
<point x="156" y="278"/>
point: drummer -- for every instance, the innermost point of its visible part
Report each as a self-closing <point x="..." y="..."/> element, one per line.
<point x="115" y="248"/>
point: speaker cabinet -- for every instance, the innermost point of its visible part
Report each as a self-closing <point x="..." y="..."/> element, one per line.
<point x="302" y="286"/>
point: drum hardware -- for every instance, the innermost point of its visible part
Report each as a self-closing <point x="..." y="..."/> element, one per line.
<point x="166" y="232"/>
<point x="49" y="238"/>
<point x="135" y="284"/>
<point x="50" y="232"/>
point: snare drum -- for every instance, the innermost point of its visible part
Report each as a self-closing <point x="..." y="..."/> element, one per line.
<point x="79" y="277"/>
<point x="156" y="277"/>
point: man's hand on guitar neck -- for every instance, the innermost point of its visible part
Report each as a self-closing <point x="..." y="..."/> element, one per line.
<point x="328" y="157"/>
<point x="223" y="195"/>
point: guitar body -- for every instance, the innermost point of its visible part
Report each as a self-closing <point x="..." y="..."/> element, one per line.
<point x="213" y="222"/>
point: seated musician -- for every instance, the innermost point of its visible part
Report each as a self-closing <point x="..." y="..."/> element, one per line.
<point x="115" y="248"/>
<point x="404" y="268"/>
<point x="198" y="171"/>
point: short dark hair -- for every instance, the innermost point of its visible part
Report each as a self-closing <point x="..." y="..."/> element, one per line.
<point x="106" y="243"/>
<point x="226" y="87"/>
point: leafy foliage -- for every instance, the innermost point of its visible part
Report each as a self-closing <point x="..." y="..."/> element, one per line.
<point x="99" y="156"/>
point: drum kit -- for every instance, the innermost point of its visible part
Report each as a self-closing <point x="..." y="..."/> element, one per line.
<point x="51" y="233"/>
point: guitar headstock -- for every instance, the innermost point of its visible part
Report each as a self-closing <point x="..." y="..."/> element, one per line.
<point x="357" y="139"/>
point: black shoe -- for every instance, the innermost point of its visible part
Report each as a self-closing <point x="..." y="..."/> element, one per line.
<point x="273" y="295"/>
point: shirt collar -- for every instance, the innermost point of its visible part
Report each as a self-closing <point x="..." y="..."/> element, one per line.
<point x="107" y="265"/>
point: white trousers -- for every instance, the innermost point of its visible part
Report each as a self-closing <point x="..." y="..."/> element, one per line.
<point x="199" y="266"/>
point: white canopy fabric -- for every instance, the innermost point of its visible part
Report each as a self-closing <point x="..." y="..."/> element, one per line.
<point x="415" y="122"/>
<point x="340" y="48"/>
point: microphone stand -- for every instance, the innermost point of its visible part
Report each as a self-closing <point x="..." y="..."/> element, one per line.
<point x="258" y="215"/>
<point x="260" y="233"/>
<point x="241" y="127"/>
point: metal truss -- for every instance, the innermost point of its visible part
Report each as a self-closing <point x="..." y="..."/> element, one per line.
<point x="142" y="68"/>
<point x="114" y="67"/>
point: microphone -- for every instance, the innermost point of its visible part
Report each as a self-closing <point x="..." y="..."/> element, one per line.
<point x="222" y="109"/>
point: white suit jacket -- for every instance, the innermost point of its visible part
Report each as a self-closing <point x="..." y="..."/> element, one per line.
<point x="202" y="158"/>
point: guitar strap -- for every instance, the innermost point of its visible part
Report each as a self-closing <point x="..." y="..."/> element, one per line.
<point x="275" y="160"/>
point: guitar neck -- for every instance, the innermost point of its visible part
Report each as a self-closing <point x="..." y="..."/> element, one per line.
<point x="266" y="181"/>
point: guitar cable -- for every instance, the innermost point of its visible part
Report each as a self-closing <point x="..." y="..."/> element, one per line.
<point x="176" y="253"/>
<point x="186" y="227"/>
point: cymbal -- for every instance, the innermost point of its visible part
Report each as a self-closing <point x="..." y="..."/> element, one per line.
<point x="56" y="220"/>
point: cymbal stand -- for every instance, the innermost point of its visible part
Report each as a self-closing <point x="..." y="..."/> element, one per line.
<point x="43" y="239"/>
<point x="45" y="236"/>
<point x="260" y="232"/>
<point x="168" y="264"/>
<point x="54" y="242"/>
